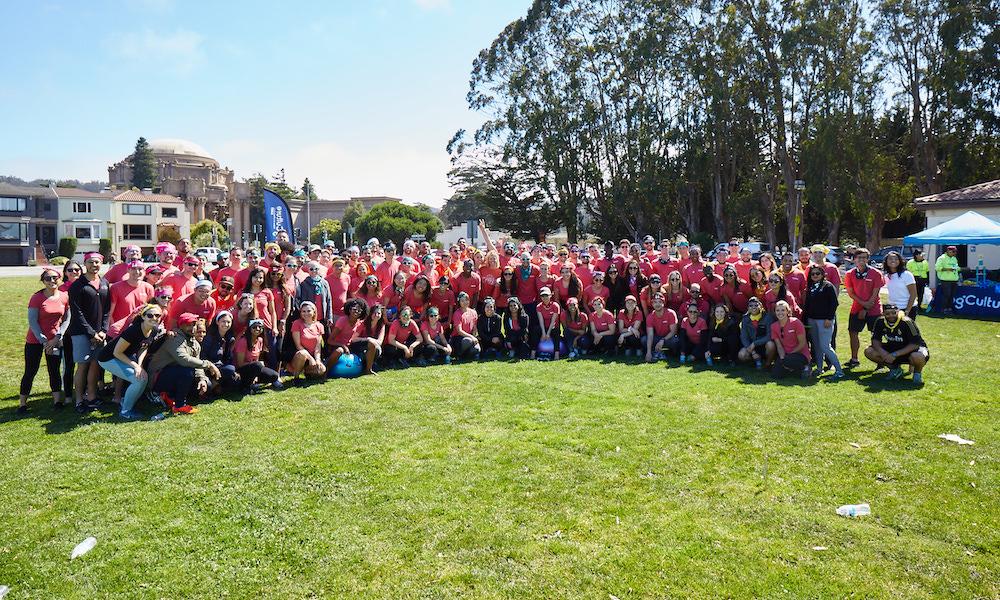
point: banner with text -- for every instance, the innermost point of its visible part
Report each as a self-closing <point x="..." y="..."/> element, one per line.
<point x="277" y="217"/>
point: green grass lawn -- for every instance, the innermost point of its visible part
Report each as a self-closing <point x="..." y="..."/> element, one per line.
<point x="577" y="479"/>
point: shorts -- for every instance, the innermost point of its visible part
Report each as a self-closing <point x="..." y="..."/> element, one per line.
<point x="905" y="359"/>
<point x="358" y="348"/>
<point x="84" y="350"/>
<point x="856" y="324"/>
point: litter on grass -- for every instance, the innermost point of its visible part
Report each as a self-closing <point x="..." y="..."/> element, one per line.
<point x="819" y="548"/>
<point x="854" y="510"/>
<point x="3" y="591"/>
<point x="83" y="547"/>
<point x="855" y="445"/>
<point x="951" y="437"/>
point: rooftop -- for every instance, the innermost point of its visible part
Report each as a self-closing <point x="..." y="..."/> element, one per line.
<point x="981" y="194"/>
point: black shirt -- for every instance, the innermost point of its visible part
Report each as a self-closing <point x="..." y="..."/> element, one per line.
<point x="137" y="342"/>
<point x="90" y="307"/>
<point x="894" y="339"/>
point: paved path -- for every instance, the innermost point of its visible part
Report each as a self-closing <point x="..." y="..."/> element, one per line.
<point x="28" y="271"/>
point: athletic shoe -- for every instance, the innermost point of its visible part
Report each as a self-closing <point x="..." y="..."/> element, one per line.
<point x="806" y="373"/>
<point x="757" y="364"/>
<point x="918" y="378"/>
<point x="130" y="415"/>
<point x="838" y="375"/>
<point x="404" y="363"/>
<point x="58" y="405"/>
<point x="709" y="361"/>
<point x="510" y="354"/>
<point x="277" y="386"/>
<point x="447" y="359"/>
<point x="852" y="363"/>
<point x="167" y="401"/>
<point x="83" y="408"/>
<point x="22" y="410"/>
<point x="683" y="359"/>
<point x="895" y="373"/>
<point x="572" y="354"/>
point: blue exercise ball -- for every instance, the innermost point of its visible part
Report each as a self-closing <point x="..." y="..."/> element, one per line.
<point x="348" y="365"/>
<point x="546" y="347"/>
<point x="562" y="348"/>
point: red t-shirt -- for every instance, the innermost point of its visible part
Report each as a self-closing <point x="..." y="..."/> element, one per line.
<point x="589" y="294"/>
<point x="435" y="333"/>
<point x="664" y="269"/>
<point x="788" y="335"/>
<point x="580" y="325"/>
<point x="710" y="288"/>
<point x="226" y="303"/>
<point x="50" y="313"/>
<point x="124" y="300"/>
<point x="771" y="299"/>
<point x="261" y="299"/>
<point x="549" y="313"/>
<point x="527" y="289"/>
<point x="695" y="330"/>
<point x="309" y="335"/>
<point x="693" y="272"/>
<point x="471" y="285"/>
<point x="415" y="301"/>
<point x="661" y="324"/>
<point x="181" y="284"/>
<point x="586" y="274"/>
<point x="251" y="354"/>
<point x="743" y="269"/>
<point x="444" y="300"/>
<point x="344" y="332"/>
<point x="489" y="279"/>
<point x="116" y="273"/>
<point x="737" y="297"/>
<point x="602" y="322"/>
<point x="629" y="320"/>
<point x="386" y="270"/>
<point x="217" y="274"/>
<point x="401" y="333"/>
<point x="187" y="304"/>
<point x="795" y="283"/>
<point x="863" y="286"/>
<point x="340" y="285"/>
<point x="468" y="318"/>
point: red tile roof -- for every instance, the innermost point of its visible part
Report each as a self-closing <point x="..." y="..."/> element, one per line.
<point x="981" y="194"/>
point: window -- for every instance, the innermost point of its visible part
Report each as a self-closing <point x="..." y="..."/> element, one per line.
<point x="136" y="232"/>
<point x="137" y="209"/>
<point x="81" y="207"/>
<point x="168" y="213"/>
<point x="13" y="232"/>
<point x="47" y="234"/>
<point x="87" y="232"/>
<point x="13" y="204"/>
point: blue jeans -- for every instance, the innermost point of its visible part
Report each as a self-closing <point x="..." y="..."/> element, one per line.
<point x="135" y="385"/>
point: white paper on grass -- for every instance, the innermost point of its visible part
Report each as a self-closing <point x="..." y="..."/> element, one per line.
<point x="951" y="437"/>
<point x="83" y="547"/>
<point x="3" y="591"/>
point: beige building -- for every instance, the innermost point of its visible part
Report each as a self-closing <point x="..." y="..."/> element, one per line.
<point x="188" y="172"/>
<point x="144" y="218"/>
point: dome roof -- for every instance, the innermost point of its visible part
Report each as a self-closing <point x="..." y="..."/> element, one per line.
<point x="181" y="147"/>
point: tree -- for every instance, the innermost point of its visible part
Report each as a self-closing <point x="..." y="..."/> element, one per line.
<point x="168" y="233"/>
<point x="396" y="221"/>
<point x="144" y="167"/>
<point x="354" y="211"/>
<point x="326" y="229"/>
<point x="201" y="234"/>
<point x="257" y="184"/>
<point x="104" y="247"/>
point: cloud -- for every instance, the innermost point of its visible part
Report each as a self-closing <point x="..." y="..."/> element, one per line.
<point x="432" y="4"/>
<point x="179" y="52"/>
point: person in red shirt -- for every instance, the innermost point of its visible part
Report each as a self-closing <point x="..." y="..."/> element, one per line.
<point x="118" y="272"/>
<point x="183" y="281"/>
<point x="721" y="260"/>
<point x="777" y="291"/>
<point x="711" y="285"/>
<point x="468" y="281"/>
<point x="183" y="251"/>
<point x="347" y="336"/>
<point x="585" y="270"/>
<point x="795" y="281"/>
<point x="603" y="327"/>
<point x="694" y="335"/>
<point x="443" y="298"/>
<point x="664" y="265"/>
<point x="863" y="284"/>
<point x="525" y="278"/>
<point x="225" y="294"/>
<point x="744" y="264"/>
<point x="575" y="325"/>
<point x="698" y="300"/>
<point x="630" y="328"/>
<point x="307" y="335"/>
<point x="567" y="286"/>
<point x="166" y="253"/>
<point x="489" y="275"/>
<point x="418" y="296"/>
<point x="234" y="268"/>
<point x="127" y="295"/>
<point x="649" y="248"/>
<point x="597" y="289"/>
<point x="464" y="341"/>
<point x="818" y="253"/>
<point x="805" y="257"/>
<point x="252" y="371"/>
<point x="48" y="312"/>
<point x="788" y="347"/>
<point x="387" y="269"/>
<point x="404" y="339"/>
<point x="435" y="343"/>
<point x="661" y="330"/>
<point x="548" y="322"/>
<point x="199" y="303"/>
<point x="253" y="262"/>
<point x="393" y="296"/>
<point x="675" y="294"/>
<point x="340" y="286"/>
<point x="694" y="270"/>
<point x="370" y="292"/>
<point x="733" y="251"/>
<point x="734" y="291"/>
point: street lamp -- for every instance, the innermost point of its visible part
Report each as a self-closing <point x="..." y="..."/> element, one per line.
<point x="799" y="185"/>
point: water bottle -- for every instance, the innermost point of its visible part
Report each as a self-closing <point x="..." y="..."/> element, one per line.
<point x="854" y="510"/>
<point x="158" y="417"/>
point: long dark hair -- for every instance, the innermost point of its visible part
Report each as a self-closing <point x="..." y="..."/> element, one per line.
<point x="782" y="289"/>
<point x="898" y="270"/>
<point x="736" y="277"/>
<point x="504" y="288"/>
<point x="349" y="308"/>
<point x="213" y="329"/>
<point x="426" y="295"/>
<point x="248" y="288"/>
<point x="374" y="330"/>
<point x="70" y="263"/>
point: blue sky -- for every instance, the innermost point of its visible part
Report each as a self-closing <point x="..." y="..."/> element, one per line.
<point x="360" y="96"/>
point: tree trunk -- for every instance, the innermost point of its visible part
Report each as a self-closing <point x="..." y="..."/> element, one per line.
<point x="833" y="230"/>
<point x="873" y="233"/>
<point x="718" y="206"/>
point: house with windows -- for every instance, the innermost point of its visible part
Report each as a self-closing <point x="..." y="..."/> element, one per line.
<point x="144" y="218"/>
<point x="87" y="216"/>
<point x="28" y="217"/>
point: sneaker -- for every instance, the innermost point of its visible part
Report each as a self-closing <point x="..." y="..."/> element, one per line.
<point x="806" y="373"/>
<point x="83" y="408"/>
<point x="895" y="373"/>
<point x="852" y="363"/>
<point x="254" y="389"/>
<point x="421" y="362"/>
<point x="510" y="354"/>
<point x="130" y="415"/>
<point x="572" y="354"/>
<point x="186" y="409"/>
<point x="838" y="375"/>
<point x="683" y="359"/>
<point x="757" y="364"/>
<point x="709" y="361"/>
<point x="277" y="386"/>
<point x="447" y="359"/>
<point x="22" y="410"/>
<point x="404" y="363"/>
<point x="918" y="378"/>
<point x="167" y="401"/>
<point x="58" y="405"/>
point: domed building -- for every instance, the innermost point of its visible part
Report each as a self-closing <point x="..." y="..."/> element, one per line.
<point x="188" y="171"/>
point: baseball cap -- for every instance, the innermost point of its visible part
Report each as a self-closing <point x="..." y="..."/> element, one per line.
<point x="545" y="291"/>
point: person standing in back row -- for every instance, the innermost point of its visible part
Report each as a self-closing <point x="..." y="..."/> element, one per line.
<point x="920" y="268"/>
<point x="948" y="273"/>
<point x="90" y="310"/>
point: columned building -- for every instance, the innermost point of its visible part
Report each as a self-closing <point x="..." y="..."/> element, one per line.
<point x="189" y="172"/>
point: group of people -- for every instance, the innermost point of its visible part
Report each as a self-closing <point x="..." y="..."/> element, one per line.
<point x="182" y="329"/>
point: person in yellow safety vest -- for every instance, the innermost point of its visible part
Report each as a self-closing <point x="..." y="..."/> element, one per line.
<point x="921" y="270"/>
<point x="948" y="273"/>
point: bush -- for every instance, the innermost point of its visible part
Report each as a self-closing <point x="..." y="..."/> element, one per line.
<point x="67" y="247"/>
<point x="104" y="247"/>
<point x="32" y="263"/>
<point x="58" y="261"/>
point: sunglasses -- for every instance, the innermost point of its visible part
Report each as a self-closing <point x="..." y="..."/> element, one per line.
<point x="774" y="281"/>
<point x="256" y="326"/>
<point x="633" y="268"/>
<point x="290" y="265"/>
<point x="164" y="297"/>
<point x="72" y="270"/>
<point x="612" y="271"/>
<point x="314" y="268"/>
<point x="192" y="264"/>
<point x="153" y="316"/>
<point x="508" y="274"/>
<point x="225" y="286"/>
<point x="51" y="278"/>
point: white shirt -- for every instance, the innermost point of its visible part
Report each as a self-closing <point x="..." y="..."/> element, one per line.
<point x="896" y="284"/>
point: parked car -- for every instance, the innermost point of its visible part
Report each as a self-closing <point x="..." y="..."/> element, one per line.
<point x="755" y="247"/>
<point x="835" y="255"/>
<point x="877" y="259"/>
<point x="210" y="253"/>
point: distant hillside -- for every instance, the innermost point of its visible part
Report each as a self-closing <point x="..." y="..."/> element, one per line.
<point x="90" y="186"/>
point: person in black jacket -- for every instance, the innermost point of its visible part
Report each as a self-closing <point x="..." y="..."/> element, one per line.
<point x="90" y="307"/>
<point x="490" y="327"/>
<point x="218" y="348"/>
<point x="819" y="311"/>
<point x="755" y="333"/>
<point x="723" y="336"/>
<point x="516" y="333"/>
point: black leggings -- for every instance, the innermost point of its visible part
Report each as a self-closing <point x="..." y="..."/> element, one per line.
<point x="256" y="372"/>
<point x="463" y="347"/>
<point x="32" y="360"/>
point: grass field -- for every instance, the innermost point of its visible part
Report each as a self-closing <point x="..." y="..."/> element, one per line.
<point x="551" y="480"/>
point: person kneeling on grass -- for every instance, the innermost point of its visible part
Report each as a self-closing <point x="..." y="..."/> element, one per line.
<point x="177" y="367"/>
<point x="490" y="327"/>
<point x="694" y="334"/>
<point x="602" y="327"/>
<point x="575" y="324"/>
<point x="404" y="339"/>
<point x="661" y="330"/>
<point x="896" y="341"/>
<point x="251" y="369"/>
<point x="755" y="333"/>
<point x="123" y="357"/>
<point x="630" y="321"/>
<point x="788" y="346"/>
<point x="307" y="335"/>
<point x="723" y="336"/>
<point x="436" y="344"/>
<point x="464" y="343"/>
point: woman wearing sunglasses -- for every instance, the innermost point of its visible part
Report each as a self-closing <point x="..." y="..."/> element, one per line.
<point x="777" y="292"/>
<point x="123" y="357"/>
<point x="694" y="334"/>
<point x="788" y="346"/>
<point x="307" y="335"/>
<point x="48" y="318"/>
<point x="820" y="310"/>
<point x="252" y="371"/>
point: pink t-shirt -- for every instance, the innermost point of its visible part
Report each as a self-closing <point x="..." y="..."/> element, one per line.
<point x="251" y="354"/>
<point x="346" y="333"/>
<point x="261" y="299"/>
<point x="661" y="324"/>
<point x="789" y="335"/>
<point x="50" y="313"/>
<point x="694" y="330"/>
<point x="309" y="335"/>
<point x="401" y="333"/>
<point x="468" y="318"/>
<point x="602" y="322"/>
<point x="124" y="300"/>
